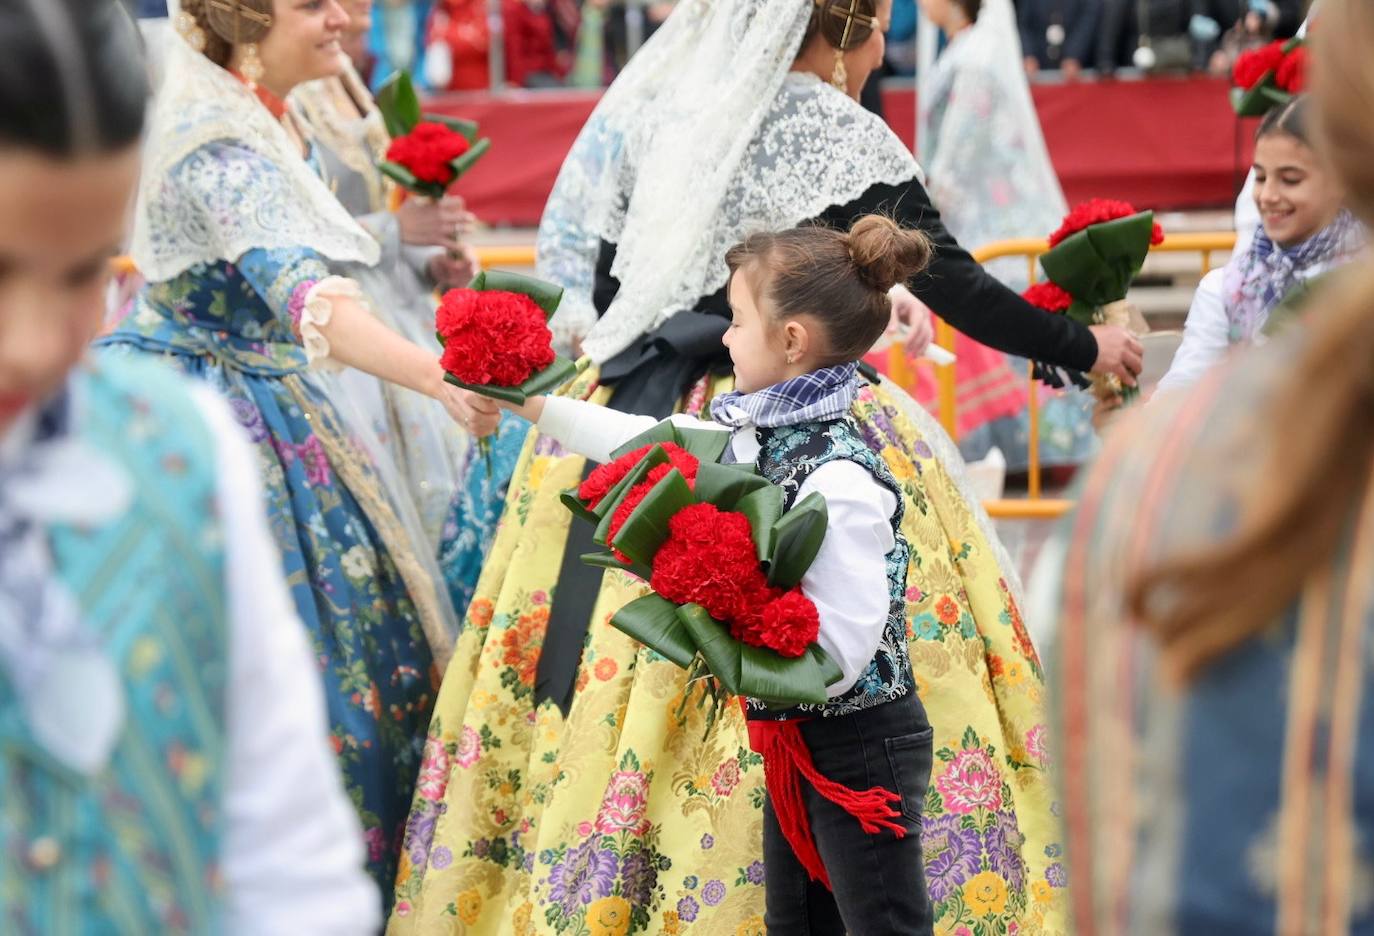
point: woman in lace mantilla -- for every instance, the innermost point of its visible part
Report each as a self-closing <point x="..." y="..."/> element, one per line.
<point x="421" y="250"/>
<point x="990" y="174"/>
<point x="558" y="793"/>
<point x="235" y="234"/>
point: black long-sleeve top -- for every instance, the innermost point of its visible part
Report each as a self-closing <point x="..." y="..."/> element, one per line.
<point x="652" y="374"/>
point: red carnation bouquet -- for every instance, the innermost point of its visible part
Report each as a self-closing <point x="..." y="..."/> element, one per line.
<point x="1093" y="258"/>
<point x="724" y="562"/>
<point x="496" y="338"/>
<point x="1269" y="76"/>
<point x="428" y="152"/>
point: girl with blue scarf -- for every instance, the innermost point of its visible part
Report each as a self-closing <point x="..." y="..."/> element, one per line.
<point x="1304" y="231"/>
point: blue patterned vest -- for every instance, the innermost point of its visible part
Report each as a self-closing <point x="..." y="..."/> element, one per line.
<point x="133" y="849"/>
<point x="787" y="457"/>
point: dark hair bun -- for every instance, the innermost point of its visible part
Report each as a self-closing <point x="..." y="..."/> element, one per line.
<point x="886" y="254"/>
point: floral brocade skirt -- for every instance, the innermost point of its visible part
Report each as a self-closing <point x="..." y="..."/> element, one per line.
<point x="618" y="819"/>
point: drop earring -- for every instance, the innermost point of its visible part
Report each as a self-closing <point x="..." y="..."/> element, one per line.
<point x="840" y="76"/>
<point x="190" y="30"/>
<point x="251" y="68"/>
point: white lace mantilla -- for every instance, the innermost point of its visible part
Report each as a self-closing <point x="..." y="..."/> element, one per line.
<point x="194" y="208"/>
<point x="711" y="138"/>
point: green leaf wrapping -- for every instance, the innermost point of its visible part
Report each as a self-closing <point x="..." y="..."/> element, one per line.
<point x="763" y="508"/>
<point x="406" y="180"/>
<point x="606" y="509"/>
<point x="1096" y="265"/>
<point x="771" y="678"/>
<point x="605" y="560"/>
<point x="706" y="444"/>
<point x="547" y="296"/>
<point x="721" y="652"/>
<point x="646" y="529"/>
<point x="725" y="485"/>
<point x="468" y="128"/>
<point x="797" y="538"/>
<point x="655" y="622"/>
<point x="399" y="104"/>
<point x="830" y="670"/>
<point x="545" y="381"/>
<point x="1259" y="99"/>
<point x="574" y="504"/>
<point x="465" y="162"/>
<point x="660" y="433"/>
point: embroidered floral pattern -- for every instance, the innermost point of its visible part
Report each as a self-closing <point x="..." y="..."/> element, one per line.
<point x="565" y="792"/>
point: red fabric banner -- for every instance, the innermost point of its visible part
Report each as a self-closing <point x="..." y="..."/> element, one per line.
<point x="1158" y="143"/>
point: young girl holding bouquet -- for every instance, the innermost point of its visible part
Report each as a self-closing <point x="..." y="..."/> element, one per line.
<point x="842" y="851"/>
<point x="1304" y="231"/>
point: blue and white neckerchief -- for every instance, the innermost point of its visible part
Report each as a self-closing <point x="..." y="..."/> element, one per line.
<point x="817" y="396"/>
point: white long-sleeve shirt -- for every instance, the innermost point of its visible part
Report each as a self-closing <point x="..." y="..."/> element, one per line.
<point x="292" y="854"/>
<point x="847" y="580"/>
<point x="1206" y="331"/>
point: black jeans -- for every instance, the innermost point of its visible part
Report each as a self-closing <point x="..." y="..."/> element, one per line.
<point x="878" y="880"/>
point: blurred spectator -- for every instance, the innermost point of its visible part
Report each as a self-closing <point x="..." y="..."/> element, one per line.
<point x="1225" y="28"/>
<point x="1059" y="34"/>
<point x="456" y="46"/>
<point x="530" y="58"/>
<point x="1118" y="35"/>
<point x="1151" y="35"/>
<point x="398" y="32"/>
<point x="901" y="38"/>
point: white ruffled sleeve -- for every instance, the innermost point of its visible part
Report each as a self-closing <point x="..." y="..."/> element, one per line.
<point x="316" y="311"/>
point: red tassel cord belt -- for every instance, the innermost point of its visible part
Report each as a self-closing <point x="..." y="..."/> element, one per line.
<point x="786" y="760"/>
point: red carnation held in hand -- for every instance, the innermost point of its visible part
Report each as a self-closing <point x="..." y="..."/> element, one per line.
<point x="604" y="477"/>
<point x="493" y="337"/>
<point x="790" y="624"/>
<point x="1251" y="66"/>
<point x="635" y="496"/>
<point x="1096" y="211"/>
<point x="1291" y="75"/>
<point x="709" y="558"/>
<point x="428" y="150"/>
<point x="1048" y="296"/>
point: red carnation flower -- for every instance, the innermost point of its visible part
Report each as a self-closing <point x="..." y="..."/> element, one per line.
<point x="493" y="337"/>
<point x="790" y="623"/>
<point x="428" y="151"/>
<point x="1097" y="211"/>
<point x="1291" y="75"/>
<point x="683" y="461"/>
<point x="1048" y="296"/>
<point x="604" y="477"/>
<point x="709" y="558"/>
<point x="1253" y="65"/>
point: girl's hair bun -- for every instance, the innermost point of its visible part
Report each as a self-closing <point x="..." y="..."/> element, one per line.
<point x="885" y="253"/>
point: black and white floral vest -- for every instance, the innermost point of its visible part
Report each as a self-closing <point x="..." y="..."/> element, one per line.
<point x="787" y="457"/>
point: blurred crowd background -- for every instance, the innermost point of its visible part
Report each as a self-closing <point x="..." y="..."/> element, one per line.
<point x="468" y="45"/>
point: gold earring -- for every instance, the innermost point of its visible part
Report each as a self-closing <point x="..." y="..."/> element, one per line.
<point x="840" y="77"/>
<point x="251" y="68"/>
<point x="190" y="30"/>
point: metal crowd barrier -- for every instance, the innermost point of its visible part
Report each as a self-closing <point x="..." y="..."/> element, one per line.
<point x="1035" y="507"/>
